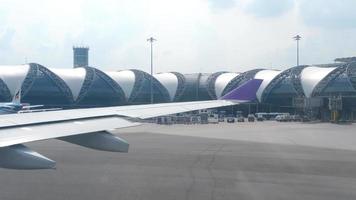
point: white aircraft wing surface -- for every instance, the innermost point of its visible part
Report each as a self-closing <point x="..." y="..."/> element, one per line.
<point x="88" y="127"/>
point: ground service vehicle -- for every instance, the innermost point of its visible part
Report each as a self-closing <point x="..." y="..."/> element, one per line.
<point x="250" y="118"/>
<point x="230" y="119"/>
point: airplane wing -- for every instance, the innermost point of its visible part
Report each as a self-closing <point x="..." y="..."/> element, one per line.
<point x="89" y="127"/>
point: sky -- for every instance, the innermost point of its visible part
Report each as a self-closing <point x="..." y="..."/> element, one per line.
<point x="192" y="35"/>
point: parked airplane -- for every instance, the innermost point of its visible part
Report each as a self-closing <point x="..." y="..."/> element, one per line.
<point x="15" y="105"/>
<point x="88" y="127"/>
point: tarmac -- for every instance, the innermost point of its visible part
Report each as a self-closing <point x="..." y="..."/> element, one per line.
<point x="261" y="160"/>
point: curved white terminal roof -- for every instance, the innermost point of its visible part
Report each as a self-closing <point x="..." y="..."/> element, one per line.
<point x="169" y="81"/>
<point x="267" y="76"/>
<point x="74" y="78"/>
<point x="222" y="81"/>
<point x="311" y="76"/>
<point x="125" y="78"/>
<point x="13" y="76"/>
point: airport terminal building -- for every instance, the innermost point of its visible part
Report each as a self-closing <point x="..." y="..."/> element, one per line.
<point x="320" y="91"/>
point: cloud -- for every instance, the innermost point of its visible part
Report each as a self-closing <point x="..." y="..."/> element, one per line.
<point x="222" y="4"/>
<point x="328" y="13"/>
<point x="6" y="38"/>
<point x="269" y="8"/>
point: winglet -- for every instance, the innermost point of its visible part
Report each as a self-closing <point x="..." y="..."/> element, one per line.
<point x="246" y="92"/>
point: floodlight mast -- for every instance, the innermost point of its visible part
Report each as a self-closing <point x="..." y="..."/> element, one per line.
<point x="151" y="40"/>
<point x="297" y="38"/>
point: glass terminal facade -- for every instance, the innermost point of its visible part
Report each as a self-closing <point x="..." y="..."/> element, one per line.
<point x="297" y="89"/>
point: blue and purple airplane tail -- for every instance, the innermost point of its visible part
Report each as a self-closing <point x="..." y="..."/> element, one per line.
<point x="246" y="92"/>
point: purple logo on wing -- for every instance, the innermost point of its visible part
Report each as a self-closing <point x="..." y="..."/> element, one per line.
<point x="246" y="92"/>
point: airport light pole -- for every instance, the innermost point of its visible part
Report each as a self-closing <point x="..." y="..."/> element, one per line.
<point x="151" y="40"/>
<point x="297" y="38"/>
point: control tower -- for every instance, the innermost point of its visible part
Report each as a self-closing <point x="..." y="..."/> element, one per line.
<point x="80" y="56"/>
